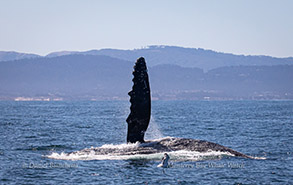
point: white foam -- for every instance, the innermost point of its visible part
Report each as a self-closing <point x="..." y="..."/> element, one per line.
<point x="163" y="138"/>
<point x="181" y="155"/>
<point x="259" y="158"/>
<point x="121" y="146"/>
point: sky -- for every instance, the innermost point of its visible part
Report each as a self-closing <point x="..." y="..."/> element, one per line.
<point x="249" y="27"/>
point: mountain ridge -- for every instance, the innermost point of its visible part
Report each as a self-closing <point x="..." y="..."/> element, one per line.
<point x="13" y="55"/>
<point x="185" y="57"/>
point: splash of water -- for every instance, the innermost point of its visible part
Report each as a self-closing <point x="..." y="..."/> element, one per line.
<point x="153" y="131"/>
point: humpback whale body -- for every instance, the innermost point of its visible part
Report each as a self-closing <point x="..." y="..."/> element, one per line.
<point x="138" y="121"/>
<point x="139" y="117"/>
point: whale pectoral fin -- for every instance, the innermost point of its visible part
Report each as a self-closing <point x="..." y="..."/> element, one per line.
<point x="140" y="99"/>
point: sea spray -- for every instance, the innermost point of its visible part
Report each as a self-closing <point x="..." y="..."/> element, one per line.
<point x="153" y="131"/>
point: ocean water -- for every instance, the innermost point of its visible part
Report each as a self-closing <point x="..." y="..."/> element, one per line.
<point x="35" y="135"/>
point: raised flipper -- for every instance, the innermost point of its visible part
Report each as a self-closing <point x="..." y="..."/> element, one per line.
<point x="140" y="99"/>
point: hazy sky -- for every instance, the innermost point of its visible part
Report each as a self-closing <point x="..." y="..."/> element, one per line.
<point x="256" y="27"/>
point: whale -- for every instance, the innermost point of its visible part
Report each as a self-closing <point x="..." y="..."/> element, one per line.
<point x="138" y="122"/>
<point x="159" y="146"/>
<point x="139" y="117"/>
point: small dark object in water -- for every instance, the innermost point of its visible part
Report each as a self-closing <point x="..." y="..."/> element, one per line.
<point x="164" y="163"/>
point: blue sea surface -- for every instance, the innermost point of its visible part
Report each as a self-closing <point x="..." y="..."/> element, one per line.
<point x="32" y="131"/>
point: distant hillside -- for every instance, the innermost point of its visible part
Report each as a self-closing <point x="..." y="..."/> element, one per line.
<point x="68" y="77"/>
<point x="87" y="77"/>
<point x="184" y="57"/>
<point x="187" y="57"/>
<point x="11" y="55"/>
<point x="238" y="82"/>
<point x="62" y="53"/>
